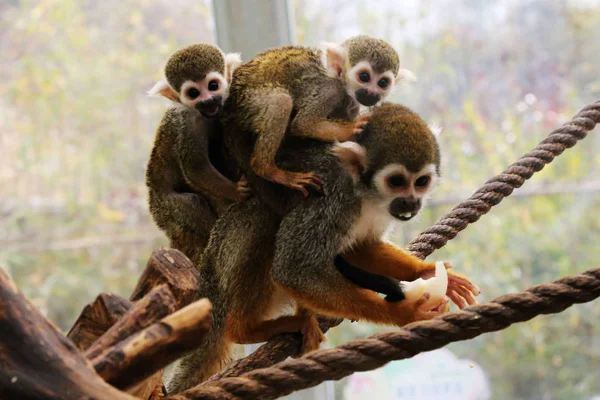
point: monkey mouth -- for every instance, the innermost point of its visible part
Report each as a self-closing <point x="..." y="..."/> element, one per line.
<point x="405" y="217"/>
<point x="210" y="111"/>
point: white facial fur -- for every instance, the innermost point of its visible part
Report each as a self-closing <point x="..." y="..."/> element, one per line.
<point x="335" y="60"/>
<point x="389" y="181"/>
<point x="375" y="219"/>
<point x="382" y="84"/>
<point x="193" y="92"/>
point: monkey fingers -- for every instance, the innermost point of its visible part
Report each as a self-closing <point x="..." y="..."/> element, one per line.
<point x="295" y="180"/>
<point x="361" y="122"/>
<point x="312" y="337"/>
<point x="243" y="188"/>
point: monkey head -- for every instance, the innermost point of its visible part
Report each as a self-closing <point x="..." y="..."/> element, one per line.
<point x="198" y="76"/>
<point x="369" y="67"/>
<point x="395" y="163"/>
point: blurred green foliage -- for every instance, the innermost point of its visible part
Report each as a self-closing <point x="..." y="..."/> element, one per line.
<point x="76" y="130"/>
<point x="498" y="77"/>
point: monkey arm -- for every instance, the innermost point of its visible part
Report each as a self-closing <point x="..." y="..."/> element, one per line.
<point x="384" y="258"/>
<point x="368" y="280"/>
<point x="198" y="171"/>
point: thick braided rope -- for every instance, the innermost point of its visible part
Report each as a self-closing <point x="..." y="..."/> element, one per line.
<point x="501" y="186"/>
<point x="377" y="350"/>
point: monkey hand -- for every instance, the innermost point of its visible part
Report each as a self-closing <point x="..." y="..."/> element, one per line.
<point x="460" y="289"/>
<point x="360" y="123"/>
<point x="423" y="307"/>
<point x="243" y="189"/>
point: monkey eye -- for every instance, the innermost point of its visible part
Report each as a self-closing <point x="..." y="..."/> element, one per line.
<point x="422" y="181"/>
<point x="383" y="83"/>
<point x="396" y="181"/>
<point x="213" y="85"/>
<point x="193" y="93"/>
<point x="364" y="77"/>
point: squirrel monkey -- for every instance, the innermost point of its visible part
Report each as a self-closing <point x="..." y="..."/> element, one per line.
<point x="256" y="265"/>
<point x="307" y="93"/>
<point x="186" y="191"/>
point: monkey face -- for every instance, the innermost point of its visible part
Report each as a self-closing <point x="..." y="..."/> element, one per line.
<point x="368" y="86"/>
<point x="402" y="190"/>
<point x="206" y="95"/>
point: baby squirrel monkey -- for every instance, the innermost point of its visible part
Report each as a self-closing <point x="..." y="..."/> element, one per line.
<point x="186" y="191"/>
<point x="254" y="266"/>
<point x="300" y="90"/>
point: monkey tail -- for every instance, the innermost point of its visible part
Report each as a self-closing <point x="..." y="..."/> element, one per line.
<point x="205" y="361"/>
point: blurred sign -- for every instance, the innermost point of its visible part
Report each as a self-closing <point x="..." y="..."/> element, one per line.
<point x="434" y="375"/>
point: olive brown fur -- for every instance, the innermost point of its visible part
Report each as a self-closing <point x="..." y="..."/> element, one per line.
<point x="378" y="52"/>
<point x="193" y="63"/>
<point x="256" y="264"/>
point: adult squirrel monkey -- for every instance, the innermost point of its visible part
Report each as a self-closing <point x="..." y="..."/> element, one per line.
<point x="256" y="265"/>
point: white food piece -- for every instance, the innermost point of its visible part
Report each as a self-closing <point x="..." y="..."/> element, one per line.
<point x="436" y="286"/>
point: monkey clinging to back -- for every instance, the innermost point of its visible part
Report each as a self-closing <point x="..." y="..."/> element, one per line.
<point x="186" y="191"/>
<point x="302" y="91"/>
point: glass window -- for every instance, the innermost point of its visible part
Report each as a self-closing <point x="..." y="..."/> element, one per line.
<point x="76" y="129"/>
<point x="498" y="77"/>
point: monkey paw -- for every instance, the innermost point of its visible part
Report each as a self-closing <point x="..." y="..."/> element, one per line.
<point x="312" y="337"/>
<point x="243" y="189"/>
<point x="360" y="123"/>
<point x="301" y="181"/>
<point x="426" y="309"/>
<point x="460" y="290"/>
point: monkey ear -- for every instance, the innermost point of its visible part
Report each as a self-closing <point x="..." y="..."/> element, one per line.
<point x="435" y="129"/>
<point x="333" y="57"/>
<point x="352" y="156"/>
<point x="162" y="88"/>
<point x="405" y="75"/>
<point x="232" y="61"/>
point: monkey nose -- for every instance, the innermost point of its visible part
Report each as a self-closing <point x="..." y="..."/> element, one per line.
<point x="367" y="98"/>
<point x="404" y="208"/>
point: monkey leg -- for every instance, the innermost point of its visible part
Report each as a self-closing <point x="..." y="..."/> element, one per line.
<point x="271" y="113"/>
<point x="386" y="259"/>
<point x="257" y="332"/>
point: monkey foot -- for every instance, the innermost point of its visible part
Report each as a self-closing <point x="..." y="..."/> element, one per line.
<point x="312" y="337"/>
<point x="243" y="189"/>
<point x="298" y="180"/>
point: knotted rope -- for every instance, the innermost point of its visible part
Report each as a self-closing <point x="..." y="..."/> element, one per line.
<point x="362" y="355"/>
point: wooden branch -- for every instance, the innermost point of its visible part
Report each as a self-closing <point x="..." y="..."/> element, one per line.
<point x="96" y="318"/>
<point x="144" y="353"/>
<point x="275" y="350"/>
<point x="37" y="361"/>
<point x="173" y="268"/>
<point x="155" y="305"/>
